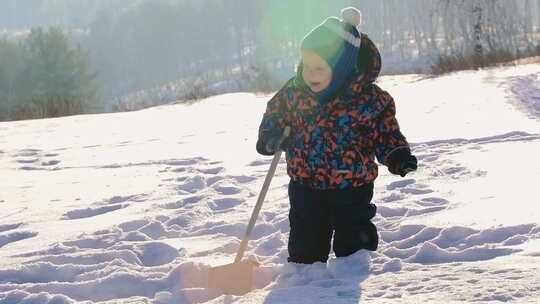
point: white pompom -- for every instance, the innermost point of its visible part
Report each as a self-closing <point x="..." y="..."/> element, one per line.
<point x="351" y="15"/>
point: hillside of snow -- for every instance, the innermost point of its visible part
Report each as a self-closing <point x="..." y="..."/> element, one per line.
<point x="136" y="207"/>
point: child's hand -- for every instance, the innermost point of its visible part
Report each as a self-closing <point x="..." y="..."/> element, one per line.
<point x="277" y="142"/>
<point x="408" y="166"/>
<point x="269" y="143"/>
<point x="401" y="162"/>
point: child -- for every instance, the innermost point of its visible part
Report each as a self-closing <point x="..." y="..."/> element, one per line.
<point x="340" y="121"/>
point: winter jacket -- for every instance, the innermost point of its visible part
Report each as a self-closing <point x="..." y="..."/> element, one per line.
<point x="333" y="145"/>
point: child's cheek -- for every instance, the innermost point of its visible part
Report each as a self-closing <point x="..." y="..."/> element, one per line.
<point x="327" y="81"/>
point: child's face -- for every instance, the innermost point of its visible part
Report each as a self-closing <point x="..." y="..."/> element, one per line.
<point x="316" y="72"/>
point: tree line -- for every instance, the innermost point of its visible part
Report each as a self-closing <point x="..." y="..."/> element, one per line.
<point x="170" y="45"/>
<point x="43" y="76"/>
<point x="161" y="41"/>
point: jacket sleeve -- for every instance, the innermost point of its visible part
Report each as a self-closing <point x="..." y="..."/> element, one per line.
<point x="387" y="136"/>
<point x="274" y="120"/>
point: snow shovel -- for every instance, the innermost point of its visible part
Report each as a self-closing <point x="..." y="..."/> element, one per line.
<point x="236" y="278"/>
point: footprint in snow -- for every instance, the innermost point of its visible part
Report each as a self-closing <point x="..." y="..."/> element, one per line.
<point x="28" y="153"/>
<point x="456" y="171"/>
<point x="260" y="162"/>
<point x="179" y="170"/>
<point x="133" y="225"/>
<point x="211" y="171"/>
<point x="152" y="253"/>
<point x="400" y="184"/>
<point x="91" y="212"/>
<point x="94" y="241"/>
<point x="388" y="212"/>
<point x="27" y="168"/>
<point x="8" y="227"/>
<point x="403" y="232"/>
<point x="192" y="199"/>
<point x="50" y="163"/>
<point x="180" y="222"/>
<point x="415" y="191"/>
<point x="185" y="162"/>
<point x="156" y="230"/>
<point x="429" y="157"/>
<point x="94" y="257"/>
<point x="432" y="201"/>
<point x="409" y="186"/>
<point x="429" y="245"/>
<point x="183" y="202"/>
<point x="122" y="199"/>
<point x="429" y="253"/>
<point x="394" y="197"/>
<point x="214" y="179"/>
<point x="225" y="203"/>
<point x="426" y="210"/>
<point x="16" y="236"/>
<point x="47" y="273"/>
<point x="243" y="179"/>
<point x="27" y="161"/>
<point x="193" y="184"/>
<point x="225" y="188"/>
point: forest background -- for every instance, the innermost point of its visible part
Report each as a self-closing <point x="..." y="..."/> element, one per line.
<point x="61" y="57"/>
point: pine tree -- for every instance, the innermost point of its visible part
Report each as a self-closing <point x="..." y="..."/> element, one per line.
<point x="57" y="78"/>
<point x="11" y="66"/>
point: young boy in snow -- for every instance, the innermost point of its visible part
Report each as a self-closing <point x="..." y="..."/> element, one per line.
<point x="340" y="121"/>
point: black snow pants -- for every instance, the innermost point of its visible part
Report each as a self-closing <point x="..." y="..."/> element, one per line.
<point x="315" y="215"/>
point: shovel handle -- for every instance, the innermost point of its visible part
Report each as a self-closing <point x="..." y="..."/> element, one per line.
<point x="262" y="195"/>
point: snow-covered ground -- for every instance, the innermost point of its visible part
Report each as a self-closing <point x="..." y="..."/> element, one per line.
<point x="135" y="207"/>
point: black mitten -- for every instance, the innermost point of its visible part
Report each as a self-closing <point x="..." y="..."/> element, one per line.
<point x="269" y="143"/>
<point x="401" y="162"/>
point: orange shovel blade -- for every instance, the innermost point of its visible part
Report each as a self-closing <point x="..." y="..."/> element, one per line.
<point x="234" y="279"/>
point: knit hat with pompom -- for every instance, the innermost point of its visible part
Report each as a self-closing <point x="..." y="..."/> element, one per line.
<point x="337" y="41"/>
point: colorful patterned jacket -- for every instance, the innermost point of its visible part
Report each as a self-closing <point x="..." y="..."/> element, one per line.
<point x="334" y="145"/>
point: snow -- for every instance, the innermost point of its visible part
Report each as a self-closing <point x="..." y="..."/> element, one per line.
<point x="136" y="207"/>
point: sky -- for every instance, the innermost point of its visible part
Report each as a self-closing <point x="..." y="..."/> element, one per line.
<point x="137" y="207"/>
